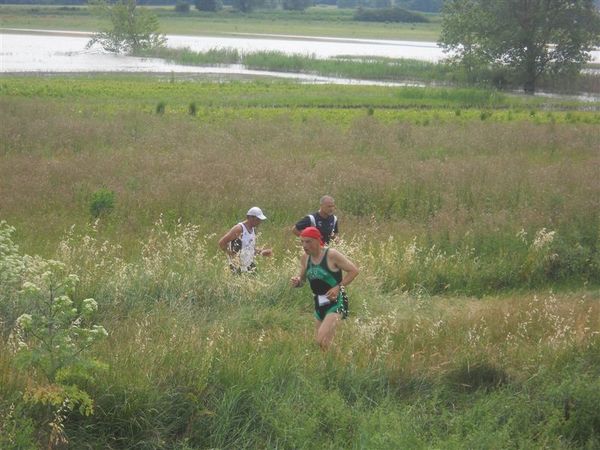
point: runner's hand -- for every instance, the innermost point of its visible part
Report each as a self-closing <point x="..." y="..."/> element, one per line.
<point x="332" y="293"/>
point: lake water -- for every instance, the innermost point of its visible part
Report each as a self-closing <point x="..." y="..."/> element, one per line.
<point x="42" y="51"/>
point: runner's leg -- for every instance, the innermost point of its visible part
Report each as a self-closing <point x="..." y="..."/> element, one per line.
<point x="326" y="330"/>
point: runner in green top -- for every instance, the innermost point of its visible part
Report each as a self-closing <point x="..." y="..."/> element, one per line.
<point x="322" y="279"/>
<point x="324" y="269"/>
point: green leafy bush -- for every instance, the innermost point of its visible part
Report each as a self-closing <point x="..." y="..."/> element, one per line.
<point x="103" y="202"/>
<point x="182" y="7"/>
<point x="388" y="15"/>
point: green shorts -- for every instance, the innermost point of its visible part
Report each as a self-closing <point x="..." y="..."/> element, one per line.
<point x="340" y="306"/>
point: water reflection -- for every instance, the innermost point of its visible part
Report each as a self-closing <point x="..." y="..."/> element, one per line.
<point x="320" y="47"/>
<point x="27" y="53"/>
<point x="43" y="51"/>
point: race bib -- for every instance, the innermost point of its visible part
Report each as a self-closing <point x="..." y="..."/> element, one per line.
<point x="323" y="300"/>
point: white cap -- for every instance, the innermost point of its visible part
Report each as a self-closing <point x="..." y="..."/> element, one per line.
<point x="256" y="212"/>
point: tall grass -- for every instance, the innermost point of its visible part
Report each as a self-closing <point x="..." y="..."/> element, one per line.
<point x="200" y="358"/>
<point x="118" y="93"/>
<point x="366" y="69"/>
<point x="475" y="321"/>
<point x="460" y="184"/>
<point x="374" y="68"/>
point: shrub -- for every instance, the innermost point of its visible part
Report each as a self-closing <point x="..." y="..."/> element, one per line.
<point x="132" y="28"/>
<point x="388" y="15"/>
<point x="103" y="201"/>
<point x="208" y="5"/>
<point x="296" y="5"/>
<point x="581" y="423"/>
<point x="182" y="7"/>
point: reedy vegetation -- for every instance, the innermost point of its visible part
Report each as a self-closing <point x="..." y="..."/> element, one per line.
<point x="462" y="203"/>
<point x="373" y="68"/>
<point x="199" y="358"/>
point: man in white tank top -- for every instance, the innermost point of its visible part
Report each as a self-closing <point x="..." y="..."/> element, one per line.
<point x="239" y="243"/>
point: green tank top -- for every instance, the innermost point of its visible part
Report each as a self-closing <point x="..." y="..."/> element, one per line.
<point x="320" y="277"/>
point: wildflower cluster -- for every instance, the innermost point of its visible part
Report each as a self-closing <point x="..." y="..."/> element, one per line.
<point x="11" y="262"/>
<point x="12" y="266"/>
<point x="51" y="334"/>
<point x="543" y="238"/>
<point x="55" y="332"/>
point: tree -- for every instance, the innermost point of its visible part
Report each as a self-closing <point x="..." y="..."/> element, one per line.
<point x="420" y="5"/>
<point x="523" y="38"/>
<point x="296" y="5"/>
<point x="182" y="7"/>
<point x="209" y="5"/>
<point x="247" y="6"/>
<point x="132" y="29"/>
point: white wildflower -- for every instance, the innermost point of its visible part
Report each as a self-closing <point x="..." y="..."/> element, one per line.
<point x="24" y="321"/>
<point x="89" y="306"/>
<point x="410" y="253"/>
<point x="543" y="238"/>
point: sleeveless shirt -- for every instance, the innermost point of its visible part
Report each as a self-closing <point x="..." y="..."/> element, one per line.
<point x="244" y="246"/>
<point x="320" y="276"/>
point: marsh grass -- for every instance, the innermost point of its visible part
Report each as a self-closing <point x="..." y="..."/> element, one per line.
<point x="370" y="68"/>
<point x="341" y="67"/>
<point x="475" y="321"/>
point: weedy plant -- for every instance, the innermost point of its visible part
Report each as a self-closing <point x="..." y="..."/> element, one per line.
<point x="50" y="340"/>
<point x="102" y="202"/>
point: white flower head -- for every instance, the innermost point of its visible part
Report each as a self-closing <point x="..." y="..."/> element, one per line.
<point x="89" y="306"/>
<point x="522" y="235"/>
<point x="411" y="251"/>
<point x="62" y="303"/>
<point x="72" y="279"/>
<point x="99" y="330"/>
<point x="543" y="238"/>
<point x="30" y="288"/>
<point x="24" y="321"/>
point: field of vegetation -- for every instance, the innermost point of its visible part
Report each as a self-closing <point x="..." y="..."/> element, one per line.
<point x="316" y="21"/>
<point x="473" y="215"/>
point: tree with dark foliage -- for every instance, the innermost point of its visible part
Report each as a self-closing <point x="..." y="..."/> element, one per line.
<point x="525" y="39"/>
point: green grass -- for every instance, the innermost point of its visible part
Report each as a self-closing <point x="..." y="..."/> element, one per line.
<point x="316" y="21"/>
<point x="475" y="320"/>
<point x="140" y="92"/>
<point x="197" y="358"/>
<point x="354" y="68"/>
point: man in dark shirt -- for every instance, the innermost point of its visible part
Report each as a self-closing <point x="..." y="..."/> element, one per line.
<point x="324" y="220"/>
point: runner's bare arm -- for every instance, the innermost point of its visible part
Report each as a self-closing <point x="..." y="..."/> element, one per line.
<point x="300" y="279"/>
<point x="232" y="234"/>
<point x="350" y="271"/>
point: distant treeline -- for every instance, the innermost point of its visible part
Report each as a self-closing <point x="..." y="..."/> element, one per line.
<point x="414" y="5"/>
<point x="388" y="15"/>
